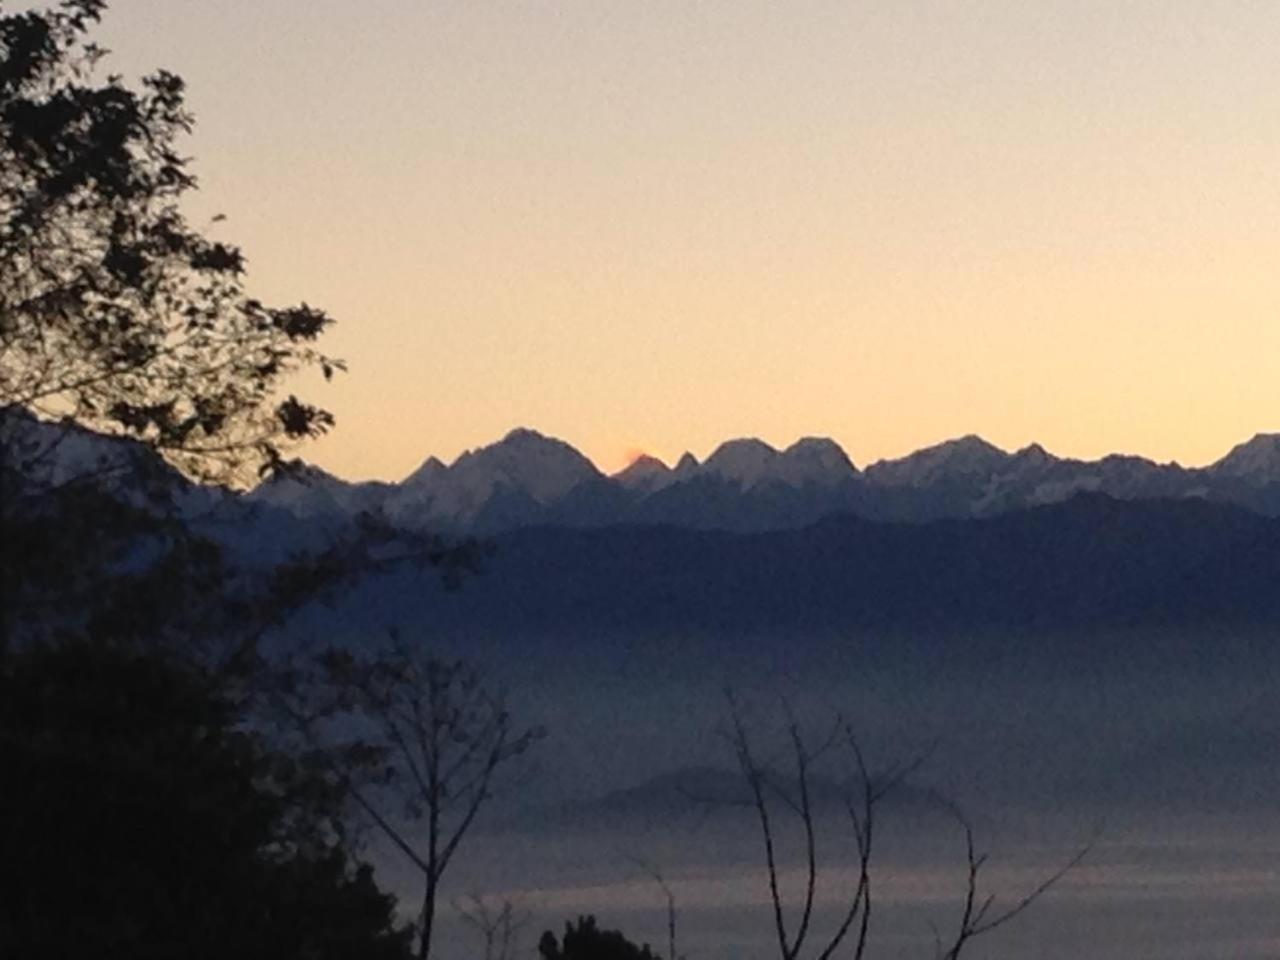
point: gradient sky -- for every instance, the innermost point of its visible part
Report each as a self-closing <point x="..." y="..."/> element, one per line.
<point x="658" y="225"/>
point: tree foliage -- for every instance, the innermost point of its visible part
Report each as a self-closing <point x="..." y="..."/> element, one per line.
<point x="419" y="742"/>
<point x="115" y="311"/>
<point x="585" y="941"/>
<point x="146" y="822"/>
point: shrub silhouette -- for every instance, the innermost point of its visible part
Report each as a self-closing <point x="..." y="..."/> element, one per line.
<point x="586" y="941"/>
<point x="145" y="823"/>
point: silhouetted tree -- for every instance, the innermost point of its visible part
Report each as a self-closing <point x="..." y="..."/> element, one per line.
<point x="773" y="793"/>
<point x="669" y="895"/>
<point x="114" y="311"/>
<point x="139" y="819"/>
<point x="119" y="317"/>
<point x="417" y="742"/>
<point x="585" y="941"/>
<point x="498" y="923"/>
<point x="116" y="315"/>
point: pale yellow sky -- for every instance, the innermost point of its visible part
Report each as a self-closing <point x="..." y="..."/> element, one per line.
<point x="659" y="225"/>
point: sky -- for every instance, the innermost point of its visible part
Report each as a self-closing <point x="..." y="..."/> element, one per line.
<point x="658" y="226"/>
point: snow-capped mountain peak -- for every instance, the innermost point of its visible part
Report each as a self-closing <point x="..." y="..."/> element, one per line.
<point x="686" y="466"/>
<point x="746" y="461"/>
<point x="750" y="462"/>
<point x="1034" y="453"/>
<point x="430" y="470"/>
<point x="644" y="473"/>
<point x="524" y="464"/>
<point x="1256" y="462"/>
<point x="306" y="490"/>
<point x="815" y="460"/>
<point x="968" y="455"/>
<point x="541" y="466"/>
<point x="529" y="479"/>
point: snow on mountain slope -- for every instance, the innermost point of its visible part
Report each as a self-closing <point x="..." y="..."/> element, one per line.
<point x="54" y="453"/>
<point x="307" y="491"/>
<point x="686" y="467"/>
<point x="543" y="467"/>
<point x="527" y="478"/>
<point x="431" y="469"/>
<point x="524" y="464"/>
<point x="50" y="455"/>
<point x="746" y="462"/>
<point x="645" y="474"/>
<point x="1256" y="462"/>
<point x="969" y="456"/>
<point x="814" y="460"/>
<point x="750" y="463"/>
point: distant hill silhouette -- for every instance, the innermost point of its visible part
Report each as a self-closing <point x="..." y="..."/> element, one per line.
<point x="696" y="794"/>
<point x="1089" y="561"/>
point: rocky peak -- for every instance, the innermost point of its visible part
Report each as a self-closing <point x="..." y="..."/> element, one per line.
<point x="1256" y="461"/>
<point x="644" y="473"/>
<point x="746" y="461"/>
<point x="966" y="456"/>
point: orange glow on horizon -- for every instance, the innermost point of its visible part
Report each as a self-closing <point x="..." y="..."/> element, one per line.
<point x="1048" y="223"/>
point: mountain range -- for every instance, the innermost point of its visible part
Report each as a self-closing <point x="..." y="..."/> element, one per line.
<point x="958" y="536"/>
<point x="528" y="479"/>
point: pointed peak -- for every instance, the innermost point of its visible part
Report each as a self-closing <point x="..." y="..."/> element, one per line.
<point x="431" y="468"/>
<point x="686" y="463"/>
<point x="1034" y="453"/>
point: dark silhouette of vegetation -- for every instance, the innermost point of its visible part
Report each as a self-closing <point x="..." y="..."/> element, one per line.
<point x="149" y="820"/>
<point x="585" y="941"/>
<point x="115" y="312"/>
<point x="117" y="316"/>
<point x="141" y="820"/>
<point x="774" y="795"/>
<point x="419" y="743"/>
<point x="498" y="924"/>
<point x="668" y="895"/>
